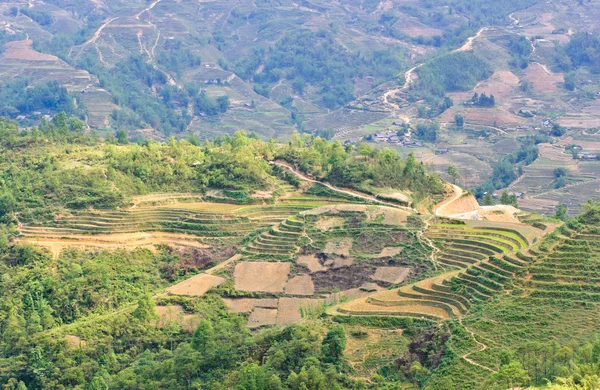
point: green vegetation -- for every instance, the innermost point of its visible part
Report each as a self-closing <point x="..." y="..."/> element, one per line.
<point x="452" y="72"/>
<point x="19" y="97"/>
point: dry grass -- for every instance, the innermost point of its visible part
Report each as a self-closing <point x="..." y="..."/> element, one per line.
<point x="22" y="50"/>
<point x="289" y="309"/>
<point x="175" y="314"/>
<point x="262" y="317"/>
<point x="311" y="262"/>
<point x="196" y="286"/>
<point x="339" y="262"/>
<point x="541" y="79"/>
<point x="246" y="305"/>
<point x="389" y="252"/>
<point x="340" y="247"/>
<point x="300" y="285"/>
<point x="262" y="195"/>
<point x="362" y="306"/>
<point x="554" y="153"/>
<point x="391" y="274"/>
<point x="261" y="276"/>
<point x="326" y="223"/>
<point x="75" y="342"/>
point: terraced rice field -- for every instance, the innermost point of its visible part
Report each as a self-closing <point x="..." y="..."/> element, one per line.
<point x="479" y="262"/>
<point x="195" y="224"/>
<point x="570" y="271"/>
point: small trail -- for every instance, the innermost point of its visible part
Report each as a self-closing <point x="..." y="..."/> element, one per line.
<point x="340" y="190"/>
<point x="96" y="35"/>
<point x="421" y="236"/>
<point x="154" y="3"/>
<point x="483" y="348"/>
<point x="458" y="192"/>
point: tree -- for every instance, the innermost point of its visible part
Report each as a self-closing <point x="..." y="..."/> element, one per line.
<point x="203" y="339"/>
<point x="561" y="212"/>
<point x="512" y="375"/>
<point x="570" y="81"/>
<point x="334" y="344"/>
<point x="459" y="120"/>
<point x="453" y="172"/>
<point x="145" y="309"/>
<point x="487" y="199"/>
<point x="122" y="137"/>
<point x="505" y="198"/>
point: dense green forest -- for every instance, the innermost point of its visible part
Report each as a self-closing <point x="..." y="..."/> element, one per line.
<point x="453" y="72"/>
<point x="19" y="97"/>
<point x="306" y="57"/>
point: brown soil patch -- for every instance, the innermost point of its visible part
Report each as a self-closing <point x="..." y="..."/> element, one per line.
<point x="175" y="313"/>
<point x="389" y="252"/>
<point x="23" y="50"/>
<point x="339" y="248"/>
<point x="459" y="202"/>
<point x="392" y="275"/>
<point x="311" y="262"/>
<point x="339" y="262"/>
<point x="541" y="79"/>
<point x="261" y="276"/>
<point x="327" y="223"/>
<point x="58" y="242"/>
<point x="415" y="31"/>
<point x="262" y="195"/>
<point x="554" y="153"/>
<point x="262" y="317"/>
<point x="300" y="285"/>
<point x="246" y="305"/>
<point x="393" y="216"/>
<point x="289" y="310"/>
<point x="196" y="286"/>
<point x="498" y="213"/>
<point x="355" y="293"/>
<point x="362" y="306"/>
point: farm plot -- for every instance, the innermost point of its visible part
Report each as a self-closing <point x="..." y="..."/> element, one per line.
<point x="246" y="305"/>
<point x="267" y="277"/>
<point x="175" y="314"/>
<point x="196" y="286"/>
<point x="300" y="285"/>
<point x="393" y="275"/>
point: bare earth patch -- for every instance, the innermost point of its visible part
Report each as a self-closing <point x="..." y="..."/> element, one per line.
<point x="196" y="286"/>
<point x="339" y="262"/>
<point x="541" y="79"/>
<point x="300" y="285"/>
<point x="246" y="305"/>
<point x="261" y="276"/>
<point x="263" y="195"/>
<point x="389" y="252"/>
<point x="262" y="317"/>
<point x="311" y="262"/>
<point x="289" y="309"/>
<point x="339" y="248"/>
<point x="22" y="50"/>
<point x="175" y="313"/>
<point x="392" y="275"/>
<point x="327" y="223"/>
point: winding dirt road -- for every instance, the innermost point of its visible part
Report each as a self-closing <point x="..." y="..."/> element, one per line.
<point x="483" y="348"/>
<point x="458" y="192"/>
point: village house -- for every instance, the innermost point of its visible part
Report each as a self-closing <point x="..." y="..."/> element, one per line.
<point x="589" y="156"/>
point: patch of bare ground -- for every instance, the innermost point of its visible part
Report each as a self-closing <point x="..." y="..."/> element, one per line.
<point x="196" y="286"/>
<point x="175" y="314"/>
<point x="261" y="276"/>
<point x="338" y="262"/>
<point x="326" y="223"/>
<point x="459" y="202"/>
<point x="290" y="309"/>
<point x="389" y="252"/>
<point x="354" y="293"/>
<point x="262" y="195"/>
<point x="497" y="213"/>
<point x="311" y="262"/>
<point x="246" y="305"/>
<point x="541" y="79"/>
<point x="393" y="275"/>
<point x="23" y="50"/>
<point x="340" y="247"/>
<point x="262" y="317"/>
<point x="300" y="285"/>
<point x="554" y="153"/>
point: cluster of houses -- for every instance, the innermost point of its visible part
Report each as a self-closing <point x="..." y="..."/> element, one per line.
<point x="393" y="137"/>
<point x="34" y="116"/>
